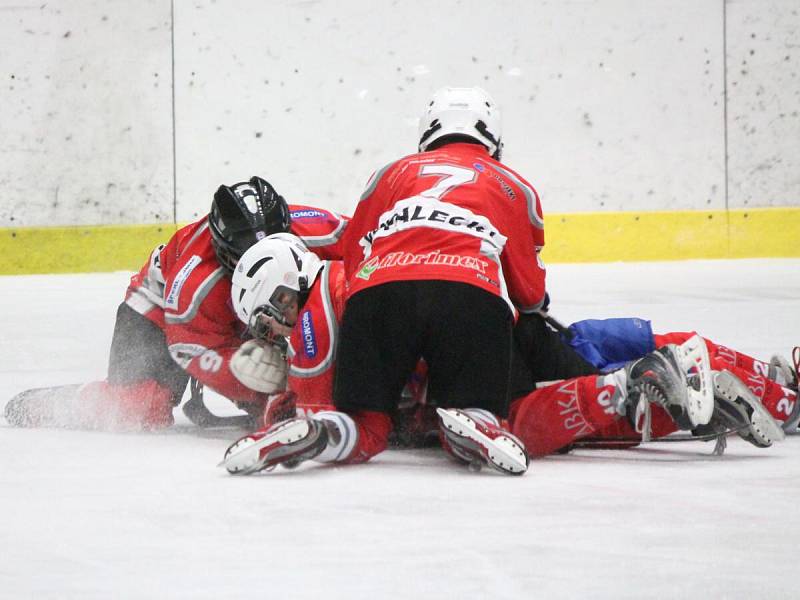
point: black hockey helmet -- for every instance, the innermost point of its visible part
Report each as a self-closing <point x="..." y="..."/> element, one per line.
<point x="242" y="214"/>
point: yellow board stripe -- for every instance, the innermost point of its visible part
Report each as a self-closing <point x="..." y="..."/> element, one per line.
<point x="79" y="249"/>
<point x="573" y="237"/>
<point x="645" y="236"/>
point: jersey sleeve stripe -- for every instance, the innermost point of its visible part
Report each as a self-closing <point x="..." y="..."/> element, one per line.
<point x="333" y="329"/>
<point x="202" y="291"/>
<point x="314" y="241"/>
<point x="196" y="234"/>
<point x="142" y="300"/>
<point x="530" y="196"/>
<point x="373" y="182"/>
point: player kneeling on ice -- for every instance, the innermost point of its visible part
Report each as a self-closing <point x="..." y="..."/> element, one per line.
<point x="272" y="284"/>
<point x="441" y="249"/>
<point x="176" y="322"/>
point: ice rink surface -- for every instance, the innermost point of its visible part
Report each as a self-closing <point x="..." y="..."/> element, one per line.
<point x="101" y="515"/>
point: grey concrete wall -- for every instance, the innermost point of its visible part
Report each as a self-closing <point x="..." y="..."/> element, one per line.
<point x="763" y="103"/>
<point x="608" y="104"/>
<point x="86" y="113"/>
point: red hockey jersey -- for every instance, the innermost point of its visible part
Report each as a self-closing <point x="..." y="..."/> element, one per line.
<point x="452" y="214"/>
<point x="312" y="345"/>
<point x="185" y="291"/>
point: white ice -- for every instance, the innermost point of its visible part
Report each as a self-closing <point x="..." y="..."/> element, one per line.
<point x="100" y="515"/>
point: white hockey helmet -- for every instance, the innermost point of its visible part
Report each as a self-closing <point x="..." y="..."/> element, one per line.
<point x="278" y="263"/>
<point x="462" y="111"/>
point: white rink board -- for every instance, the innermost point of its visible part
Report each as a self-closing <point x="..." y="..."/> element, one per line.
<point x="95" y="515"/>
<point x="763" y="103"/>
<point x="609" y="104"/>
<point x="595" y="95"/>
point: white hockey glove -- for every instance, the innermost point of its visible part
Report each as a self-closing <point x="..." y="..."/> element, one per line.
<point x="259" y="366"/>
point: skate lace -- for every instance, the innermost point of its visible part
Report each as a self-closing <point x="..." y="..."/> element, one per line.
<point x="642" y="422"/>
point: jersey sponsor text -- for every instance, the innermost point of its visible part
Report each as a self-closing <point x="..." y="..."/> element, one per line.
<point x="427" y="212"/>
<point x="401" y="259"/>
<point x="309" y="339"/>
<point x="308" y="214"/>
<point x="180" y="279"/>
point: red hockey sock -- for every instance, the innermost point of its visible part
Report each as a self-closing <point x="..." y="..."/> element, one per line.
<point x="554" y="416"/>
<point x="143" y="405"/>
<point x="721" y="357"/>
<point x="373" y="435"/>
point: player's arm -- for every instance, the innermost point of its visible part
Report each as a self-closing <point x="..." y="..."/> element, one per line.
<point x="203" y="337"/>
<point x="312" y="360"/>
<point x="209" y="360"/>
<point x="525" y="273"/>
<point x="320" y="229"/>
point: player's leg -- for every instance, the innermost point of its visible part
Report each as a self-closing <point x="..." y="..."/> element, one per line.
<point x="553" y="417"/>
<point x="778" y="369"/>
<point x="143" y="385"/>
<point x="773" y="384"/>
<point x="545" y="355"/>
<point x="468" y="352"/>
<point x="656" y="394"/>
<point x="379" y="347"/>
<point x="139" y="353"/>
<point x="467" y="346"/>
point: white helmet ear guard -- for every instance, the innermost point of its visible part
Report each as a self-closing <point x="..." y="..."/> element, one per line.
<point x="279" y="262"/>
<point x="469" y="112"/>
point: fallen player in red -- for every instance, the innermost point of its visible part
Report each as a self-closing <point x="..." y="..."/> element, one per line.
<point x="176" y="321"/>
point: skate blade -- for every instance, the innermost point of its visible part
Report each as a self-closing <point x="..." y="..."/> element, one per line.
<point x="762" y="425"/>
<point x="502" y="453"/>
<point x="244" y="456"/>
<point x="693" y="359"/>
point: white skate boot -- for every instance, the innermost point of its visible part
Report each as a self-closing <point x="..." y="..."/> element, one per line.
<point x="677" y="378"/>
<point x="288" y="443"/>
<point x="737" y="408"/>
<point x="478" y="441"/>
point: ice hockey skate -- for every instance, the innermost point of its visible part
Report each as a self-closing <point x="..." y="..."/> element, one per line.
<point x="288" y="443"/>
<point x="478" y="442"/>
<point x="46" y="407"/>
<point x="784" y="373"/>
<point x="677" y="378"/>
<point x="738" y="409"/>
